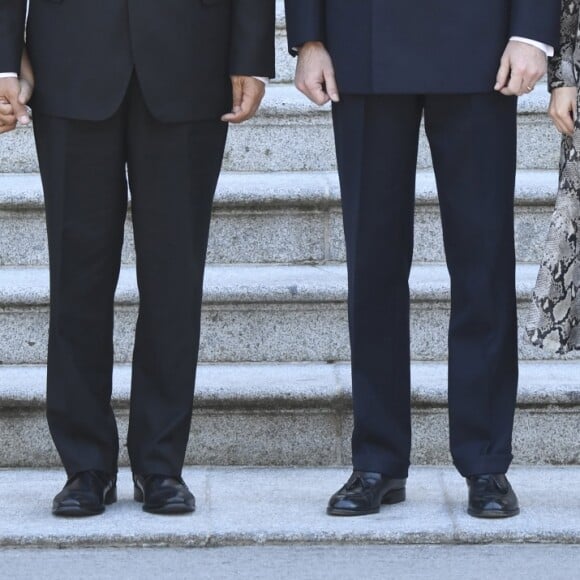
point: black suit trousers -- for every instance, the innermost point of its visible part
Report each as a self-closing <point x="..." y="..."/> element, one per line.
<point x="172" y="171"/>
<point x="473" y="145"/>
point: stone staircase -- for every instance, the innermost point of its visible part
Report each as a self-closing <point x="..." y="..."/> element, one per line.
<point x="273" y="386"/>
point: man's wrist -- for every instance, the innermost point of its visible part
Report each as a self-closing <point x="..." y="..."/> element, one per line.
<point x="546" y="48"/>
<point x="310" y="43"/>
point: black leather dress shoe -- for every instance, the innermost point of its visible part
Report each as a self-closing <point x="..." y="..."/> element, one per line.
<point x="491" y="496"/>
<point x="163" y="494"/>
<point x="85" y="494"/>
<point x="364" y="493"/>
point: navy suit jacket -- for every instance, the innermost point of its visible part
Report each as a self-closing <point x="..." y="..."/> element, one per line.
<point x="419" y="46"/>
<point x="84" y="52"/>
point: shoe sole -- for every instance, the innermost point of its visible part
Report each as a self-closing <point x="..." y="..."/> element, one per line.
<point x="390" y="498"/>
<point x="170" y="509"/>
<point x="76" y="512"/>
<point x="492" y="514"/>
<point x="83" y="512"/>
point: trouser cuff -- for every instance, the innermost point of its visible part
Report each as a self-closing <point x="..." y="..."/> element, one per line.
<point x="395" y="470"/>
<point x="483" y="464"/>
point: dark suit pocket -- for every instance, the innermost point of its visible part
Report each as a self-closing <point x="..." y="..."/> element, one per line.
<point x="55" y="1"/>
<point x="210" y="2"/>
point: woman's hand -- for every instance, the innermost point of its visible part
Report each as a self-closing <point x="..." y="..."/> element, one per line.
<point x="14" y="97"/>
<point x="564" y="109"/>
<point x="26" y="77"/>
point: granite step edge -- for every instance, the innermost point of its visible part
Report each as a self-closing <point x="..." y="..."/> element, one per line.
<point x="283" y="386"/>
<point x="288" y="507"/>
<point x="267" y="190"/>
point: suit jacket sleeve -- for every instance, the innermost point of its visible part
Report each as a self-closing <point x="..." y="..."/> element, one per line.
<point x="12" y="18"/>
<point x="253" y="31"/>
<point x="305" y="21"/>
<point x="536" y="19"/>
<point x="561" y="72"/>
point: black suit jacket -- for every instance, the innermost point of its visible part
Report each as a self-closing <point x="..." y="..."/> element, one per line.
<point x="84" y="52"/>
<point x="419" y="46"/>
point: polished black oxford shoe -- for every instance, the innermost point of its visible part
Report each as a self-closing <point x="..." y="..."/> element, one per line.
<point x="364" y="493"/>
<point x="491" y="496"/>
<point x="163" y="494"/>
<point x="85" y="494"/>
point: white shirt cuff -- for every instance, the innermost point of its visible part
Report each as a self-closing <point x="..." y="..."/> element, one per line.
<point x="549" y="50"/>
<point x="265" y="80"/>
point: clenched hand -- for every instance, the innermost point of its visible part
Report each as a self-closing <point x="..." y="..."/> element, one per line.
<point x="315" y="74"/>
<point x="248" y="93"/>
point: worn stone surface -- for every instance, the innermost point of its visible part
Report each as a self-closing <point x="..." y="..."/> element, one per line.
<point x="256" y="190"/>
<point x="287" y="506"/>
<point x="289" y="135"/>
<point x="285" y="64"/>
<point x="300" y="414"/>
<point x="17" y="152"/>
<point x="277" y="235"/>
<point x="278" y="218"/>
<point x="304" y="437"/>
<point x="252" y="313"/>
<point x="290" y="561"/>
<point x="23" y="239"/>
<point x="280" y="236"/>
<point x="551" y="519"/>
<point x="286" y="386"/>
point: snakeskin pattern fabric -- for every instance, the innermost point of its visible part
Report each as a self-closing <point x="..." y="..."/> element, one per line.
<point x="553" y="321"/>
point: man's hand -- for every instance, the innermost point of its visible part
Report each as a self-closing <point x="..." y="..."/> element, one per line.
<point x="522" y="66"/>
<point x="563" y="109"/>
<point x="248" y="93"/>
<point x="14" y="95"/>
<point x="315" y="74"/>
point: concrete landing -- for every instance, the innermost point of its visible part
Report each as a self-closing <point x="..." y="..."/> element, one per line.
<point x="291" y="562"/>
<point x="249" y="506"/>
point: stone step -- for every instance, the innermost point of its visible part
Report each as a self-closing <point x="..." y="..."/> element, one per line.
<point x="278" y="217"/>
<point x="258" y="218"/>
<point x="291" y="134"/>
<point x="300" y="414"/>
<point x="288" y="561"/>
<point x="287" y="506"/>
<point x="251" y="313"/>
<point x="285" y="64"/>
